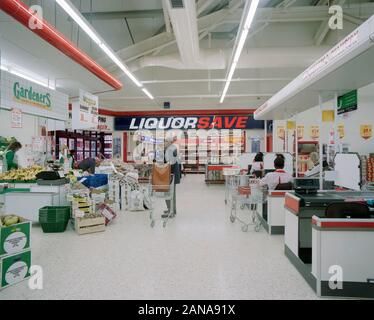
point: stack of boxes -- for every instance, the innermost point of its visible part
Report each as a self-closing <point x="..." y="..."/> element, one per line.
<point x="15" y="253"/>
<point x="115" y="192"/>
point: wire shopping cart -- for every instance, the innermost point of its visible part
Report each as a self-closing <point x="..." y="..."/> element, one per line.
<point x="165" y="192"/>
<point x="230" y="186"/>
<point x="247" y="194"/>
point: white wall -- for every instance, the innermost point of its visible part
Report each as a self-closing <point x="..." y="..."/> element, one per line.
<point x="351" y="121"/>
<point x="23" y="135"/>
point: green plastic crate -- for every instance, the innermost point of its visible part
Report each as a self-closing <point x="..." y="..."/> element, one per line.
<point x="55" y="212"/>
<point x="50" y="227"/>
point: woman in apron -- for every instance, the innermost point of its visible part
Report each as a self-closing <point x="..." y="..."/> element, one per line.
<point x="10" y="161"/>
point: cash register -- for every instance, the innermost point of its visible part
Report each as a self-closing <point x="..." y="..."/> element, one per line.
<point x="306" y="185"/>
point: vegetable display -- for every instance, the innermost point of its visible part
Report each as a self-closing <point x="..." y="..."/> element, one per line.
<point x="25" y="174"/>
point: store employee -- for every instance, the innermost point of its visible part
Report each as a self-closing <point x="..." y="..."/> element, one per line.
<point x="272" y="179"/>
<point x="89" y="165"/>
<point x="10" y="159"/>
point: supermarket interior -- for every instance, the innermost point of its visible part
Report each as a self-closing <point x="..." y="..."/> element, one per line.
<point x="186" y="149"/>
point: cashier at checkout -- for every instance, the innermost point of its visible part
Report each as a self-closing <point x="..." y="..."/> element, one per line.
<point x="279" y="176"/>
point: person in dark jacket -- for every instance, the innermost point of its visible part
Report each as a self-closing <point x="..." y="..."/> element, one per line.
<point x="172" y="157"/>
<point x="89" y="165"/>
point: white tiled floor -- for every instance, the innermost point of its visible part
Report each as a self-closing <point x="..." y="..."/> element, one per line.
<point x="199" y="255"/>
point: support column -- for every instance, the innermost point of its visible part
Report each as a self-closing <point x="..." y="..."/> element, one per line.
<point x="320" y="145"/>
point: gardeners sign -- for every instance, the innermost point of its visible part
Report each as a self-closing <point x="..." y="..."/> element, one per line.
<point x="32" y="98"/>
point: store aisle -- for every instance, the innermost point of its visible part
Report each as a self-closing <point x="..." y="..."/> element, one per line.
<point x="199" y="255"/>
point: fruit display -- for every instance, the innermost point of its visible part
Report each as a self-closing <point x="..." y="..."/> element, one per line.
<point x="25" y="174"/>
<point x="9" y="220"/>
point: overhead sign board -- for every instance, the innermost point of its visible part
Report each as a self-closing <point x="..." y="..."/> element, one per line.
<point x="32" y="98"/>
<point x="186" y="123"/>
<point x="85" y="112"/>
<point x="347" y="102"/>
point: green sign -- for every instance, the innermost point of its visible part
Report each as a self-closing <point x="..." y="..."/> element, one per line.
<point x="30" y="96"/>
<point x="15" y="268"/>
<point x="347" y="102"/>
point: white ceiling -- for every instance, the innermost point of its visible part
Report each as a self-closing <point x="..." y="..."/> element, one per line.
<point x="185" y="89"/>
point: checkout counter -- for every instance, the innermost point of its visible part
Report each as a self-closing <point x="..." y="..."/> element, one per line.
<point x="314" y="244"/>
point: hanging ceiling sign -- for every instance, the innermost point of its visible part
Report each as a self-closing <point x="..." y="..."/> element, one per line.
<point x="186" y="122"/>
<point x="85" y="112"/>
<point x="32" y="98"/>
<point x="347" y="102"/>
<point x="300" y="132"/>
<point x="105" y="123"/>
<point x="366" y="131"/>
<point x="341" y="131"/>
<point x="281" y="132"/>
<point x="314" y="132"/>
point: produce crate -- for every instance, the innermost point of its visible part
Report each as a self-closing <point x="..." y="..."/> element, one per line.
<point x="15" y="238"/>
<point x="89" y="225"/>
<point x="15" y="268"/>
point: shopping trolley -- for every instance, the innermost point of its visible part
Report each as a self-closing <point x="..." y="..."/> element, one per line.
<point x="229" y="174"/>
<point x="247" y="194"/>
<point x="161" y="192"/>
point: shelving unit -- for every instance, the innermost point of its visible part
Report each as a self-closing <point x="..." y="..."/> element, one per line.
<point x="85" y="144"/>
<point x="198" y="151"/>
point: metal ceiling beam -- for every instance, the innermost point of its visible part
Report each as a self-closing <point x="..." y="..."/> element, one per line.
<point x="166" y="16"/>
<point x="202" y="5"/>
<point x="205" y="23"/>
<point x="112" y="15"/>
<point x="304" y="14"/>
<point x="165" y="39"/>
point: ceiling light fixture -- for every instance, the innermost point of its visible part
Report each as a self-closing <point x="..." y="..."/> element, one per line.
<point x="23" y="75"/>
<point x="245" y="24"/>
<point x="147" y="93"/>
<point x="82" y="22"/>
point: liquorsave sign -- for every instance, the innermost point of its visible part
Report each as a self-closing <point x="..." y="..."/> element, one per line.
<point x="186" y="122"/>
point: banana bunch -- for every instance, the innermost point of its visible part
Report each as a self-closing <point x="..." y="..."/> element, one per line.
<point x="9" y="220"/>
<point x="25" y="174"/>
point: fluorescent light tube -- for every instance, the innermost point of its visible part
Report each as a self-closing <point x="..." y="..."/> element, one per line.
<point x="248" y="19"/>
<point x="26" y="77"/>
<point x="81" y="21"/>
<point x="147" y="93"/>
<point x="77" y="18"/>
<point x="119" y="63"/>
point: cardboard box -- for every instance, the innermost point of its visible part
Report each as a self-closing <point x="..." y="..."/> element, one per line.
<point x="15" y="268"/>
<point x="89" y="225"/>
<point x="15" y="238"/>
<point x="107" y="213"/>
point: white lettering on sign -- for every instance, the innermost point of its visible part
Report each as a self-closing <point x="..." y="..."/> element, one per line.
<point x="132" y="124"/>
<point x="332" y="55"/>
